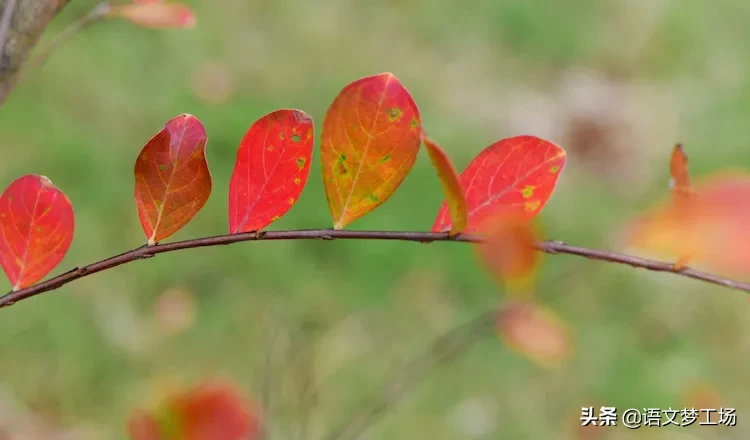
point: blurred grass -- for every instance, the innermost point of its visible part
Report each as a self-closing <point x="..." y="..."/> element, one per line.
<point x="86" y="355"/>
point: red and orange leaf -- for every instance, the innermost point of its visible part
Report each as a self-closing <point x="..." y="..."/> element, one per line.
<point x="680" y="177"/>
<point x="273" y="164"/>
<point x="509" y="253"/>
<point x="710" y="229"/>
<point x="518" y="174"/>
<point x="370" y="140"/>
<point x="172" y="180"/>
<point x="454" y="195"/>
<point x="36" y="229"/>
<point x="534" y="332"/>
<point x="213" y="410"/>
<point x="154" y="14"/>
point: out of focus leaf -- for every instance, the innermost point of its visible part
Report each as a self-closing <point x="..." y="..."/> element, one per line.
<point x="172" y="180"/>
<point x="370" y="140"/>
<point x="680" y="177"/>
<point x="518" y="174"/>
<point x="454" y="195"/>
<point x="508" y="251"/>
<point x="154" y="14"/>
<point x="710" y="229"/>
<point x="273" y="163"/>
<point x="36" y="229"/>
<point x="534" y="332"/>
<point x="210" y="411"/>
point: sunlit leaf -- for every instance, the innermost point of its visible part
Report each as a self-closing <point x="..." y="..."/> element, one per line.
<point x="508" y="252"/>
<point x="172" y="180"/>
<point x="210" y="411"/>
<point x="454" y="195"/>
<point x="36" y="229"/>
<point x="154" y="14"/>
<point x="710" y="229"/>
<point x="370" y="140"/>
<point x="518" y="174"/>
<point x="273" y="164"/>
<point x="534" y="332"/>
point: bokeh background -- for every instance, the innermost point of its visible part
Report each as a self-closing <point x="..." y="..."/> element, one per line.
<point x="614" y="82"/>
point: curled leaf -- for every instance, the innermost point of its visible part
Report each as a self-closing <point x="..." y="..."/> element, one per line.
<point x="154" y="14"/>
<point x="454" y="195"/>
<point x="273" y="164"/>
<point x="534" y="332"/>
<point x="508" y="252"/>
<point x="36" y="229"/>
<point x="172" y="180"/>
<point x="370" y="140"/>
<point x="210" y="411"/>
<point x="709" y="229"/>
<point x="518" y="174"/>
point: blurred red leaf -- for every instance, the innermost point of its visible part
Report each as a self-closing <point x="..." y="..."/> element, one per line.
<point x="508" y="251"/>
<point x="210" y="411"/>
<point x="454" y="195"/>
<point x="370" y="140"/>
<point x="37" y="224"/>
<point x="273" y="164"/>
<point x="534" y="332"/>
<point x="172" y="180"/>
<point x="154" y="14"/>
<point x="710" y="228"/>
<point x="680" y="177"/>
<point x="518" y="173"/>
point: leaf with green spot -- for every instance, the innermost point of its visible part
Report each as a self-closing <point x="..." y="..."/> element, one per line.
<point x="36" y="229"/>
<point x="371" y="119"/>
<point x="454" y="195"/>
<point x="267" y="179"/>
<point x="499" y="178"/>
<point x="168" y="197"/>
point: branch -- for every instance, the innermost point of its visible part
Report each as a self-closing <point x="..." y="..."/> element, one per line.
<point x="21" y="25"/>
<point x="550" y="247"/>
<point x="443" y="350"/>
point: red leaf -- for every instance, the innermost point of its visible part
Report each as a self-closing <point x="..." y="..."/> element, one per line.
<point x="210" y="411"/>
<point x="518" y="174"/>
<point x="36" y="225"/>
<point x="154" y="14"/>
<point x="454" y="195"/>
<point x="680" y="177"/>
<point x="172" y="180"/>
<point x="370" y="140"/>
<point x="273" y="163"/>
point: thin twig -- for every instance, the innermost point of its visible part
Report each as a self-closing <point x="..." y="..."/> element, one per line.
<point x="550" y="247"/>
<point x="94" y="15"/>
<point x="443" y="350"/>
<point x="7" y="18"/>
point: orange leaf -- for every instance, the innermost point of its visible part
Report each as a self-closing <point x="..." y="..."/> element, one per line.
<point x="154" y="14"/>
<point x="210" y="411"/>
<point x="273" y="163"/>
<point x="172" y="180"/>
<point x="711" y="228"/>
<point x="36" y="229"/>
<point x="518" y="174"/>
<point x="454" y="195"/>
<point x="535" y="333"/>
<point x="680" y="180"/>
<point x="370" y="140"/>
<point x="509" y="253"/>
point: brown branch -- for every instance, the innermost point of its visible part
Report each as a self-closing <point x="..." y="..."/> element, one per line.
<point x="443" y="350"/>
<point x="26" y="21"/>
<point x="550" y="247"/>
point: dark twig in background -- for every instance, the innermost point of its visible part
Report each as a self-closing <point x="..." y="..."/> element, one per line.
<point x="550" y="247"/>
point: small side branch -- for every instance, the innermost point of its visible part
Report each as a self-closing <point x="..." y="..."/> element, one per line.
<point x="550" y="247"/>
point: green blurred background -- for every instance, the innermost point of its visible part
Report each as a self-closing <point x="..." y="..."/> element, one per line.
<point x="615" y="82"/>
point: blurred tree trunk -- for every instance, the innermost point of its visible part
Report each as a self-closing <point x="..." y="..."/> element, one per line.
<point x="22" y="22"/>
